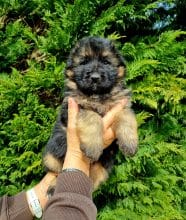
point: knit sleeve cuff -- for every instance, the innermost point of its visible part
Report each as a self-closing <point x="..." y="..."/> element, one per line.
<point x="18" y="207"/>
<point x="74" y="182"/>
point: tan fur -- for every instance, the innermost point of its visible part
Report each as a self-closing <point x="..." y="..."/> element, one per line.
<point x="125" y="127"/>
<point x="86" y="52"/>
<point x="107" y="53"/>
<point x="72" y="85"/>
<point x="111" y="57"/>
<point x="98" y="174"/>
<point x="121" y="71"/>
<point x="99" y="104"/>
<point x="90" y="131"/>
<point x="76" y="59"/>
<point x="69" y="73"/>
<point x="52" y="163"/>
<point x="114" y="61"/>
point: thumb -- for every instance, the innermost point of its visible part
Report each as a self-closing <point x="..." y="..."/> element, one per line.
<point x="108" y="119"/>
<point x="72" y="112"/>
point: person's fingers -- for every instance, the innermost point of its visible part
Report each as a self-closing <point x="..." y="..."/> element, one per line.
<point x="72" y="137"/>
<point x="108" y="119"/>
<point x="108" y="137"/>
<point x="72" y="113"/>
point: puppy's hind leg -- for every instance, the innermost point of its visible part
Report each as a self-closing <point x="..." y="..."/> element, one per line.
<point x="126" y="132"/>
<point x="90" y="131"/>
<point x="98" y="174"/>
<point x="55" y="149"/>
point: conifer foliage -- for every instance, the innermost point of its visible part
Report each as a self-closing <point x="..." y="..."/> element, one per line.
<point x="36" y="36"/>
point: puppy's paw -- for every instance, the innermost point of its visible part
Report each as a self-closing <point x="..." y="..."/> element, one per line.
<point x="128" y="145"/>
<point x="51" y="163"/>
<point x="92" y="152"/>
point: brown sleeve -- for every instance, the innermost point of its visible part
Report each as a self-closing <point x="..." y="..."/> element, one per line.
<point x="15" y="208"/>
<point x="72" y="198"/>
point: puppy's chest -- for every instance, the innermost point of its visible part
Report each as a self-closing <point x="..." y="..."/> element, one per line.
<point x="95" y="104"/>
<point x="101" y="103"/>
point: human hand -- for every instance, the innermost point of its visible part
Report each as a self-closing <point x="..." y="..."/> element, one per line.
<point x="108" y="120"/>
<point x="73" y="141"/>
<point x="75" y="158"/>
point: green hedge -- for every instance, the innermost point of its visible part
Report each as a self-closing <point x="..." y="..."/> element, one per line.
<point x="36" y="37"/>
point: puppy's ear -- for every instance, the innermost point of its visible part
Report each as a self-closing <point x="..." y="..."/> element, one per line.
<point x="121" y="71"/>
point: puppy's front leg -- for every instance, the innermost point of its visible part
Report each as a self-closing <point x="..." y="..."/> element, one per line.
<point x="126" y="131"/>
<point x="90" y="131"/>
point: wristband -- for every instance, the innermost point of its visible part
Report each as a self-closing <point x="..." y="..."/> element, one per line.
<point x="72" y="170"/>
<point x="33" y="201"/>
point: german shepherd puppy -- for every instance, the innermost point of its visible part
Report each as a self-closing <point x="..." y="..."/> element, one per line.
<point x="95" y="75"/>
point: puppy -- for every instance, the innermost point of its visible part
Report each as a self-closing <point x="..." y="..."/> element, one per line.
<point x="95" y="74"/>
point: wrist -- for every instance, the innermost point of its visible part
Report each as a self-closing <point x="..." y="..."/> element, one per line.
<point x="34" y="203"/>
<point x="41" y="189"/>
<point x="77" y="160"/>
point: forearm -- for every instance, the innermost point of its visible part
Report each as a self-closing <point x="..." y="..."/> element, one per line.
<point x="72" y="198"/>
<point x="15" y="208"/>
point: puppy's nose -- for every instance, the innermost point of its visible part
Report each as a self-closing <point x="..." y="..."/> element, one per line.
<point x="95" y="77"/>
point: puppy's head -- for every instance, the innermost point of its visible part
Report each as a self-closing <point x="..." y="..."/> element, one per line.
<point x="95" y="65"/>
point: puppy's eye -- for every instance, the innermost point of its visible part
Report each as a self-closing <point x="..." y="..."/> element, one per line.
<point x="105" y="61"/>
<point x="85" y="60"/>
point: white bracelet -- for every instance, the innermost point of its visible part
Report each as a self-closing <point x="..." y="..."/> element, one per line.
<point x="34" y="203"/>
